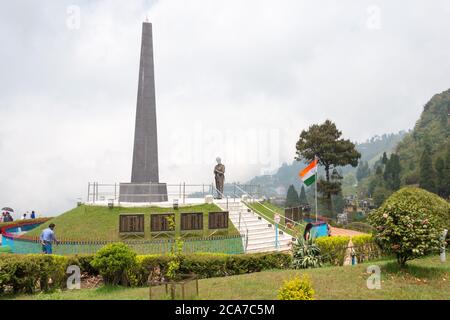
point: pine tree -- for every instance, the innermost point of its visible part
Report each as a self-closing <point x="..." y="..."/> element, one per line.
<point x="384" y="160"/>
<point x="363" y="170"/>
<point x="325" y="142"/>
<point x="427" y="175"/>
<point x="440" y="177"/>
<point x="303" y="200"/>
<point x="446" y="174"/>
<point x="392" y="172"/>
<point x="292" y="197"/>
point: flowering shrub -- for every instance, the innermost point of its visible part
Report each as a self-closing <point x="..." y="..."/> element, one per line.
<point x="297" y="289"/>
<point x="410" y="223"/>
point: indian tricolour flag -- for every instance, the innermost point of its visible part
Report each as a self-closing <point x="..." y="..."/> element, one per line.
<point x="308" y="175"/>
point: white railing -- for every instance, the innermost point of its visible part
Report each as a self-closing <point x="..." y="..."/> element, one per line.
<point x="111" y="192"/>
<point x="271" y="220"/>
<point x="242" y="228"/>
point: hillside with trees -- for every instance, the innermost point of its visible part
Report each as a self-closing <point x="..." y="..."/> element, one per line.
<point x="421" y="159"/>
<point x="370" y="150"/>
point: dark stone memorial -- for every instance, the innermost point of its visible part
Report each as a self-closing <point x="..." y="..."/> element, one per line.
<point x="161" y="222"/>
<point x="145" y="185"/>
<point x="131" y="224"/>
<point x="218" y="220"/>
<point x="191" y="221"/>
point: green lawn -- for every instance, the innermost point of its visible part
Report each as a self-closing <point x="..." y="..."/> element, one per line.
<point x="94" y="222"/>
<point x="424" y="279"/>
<point x="263" y="211"/>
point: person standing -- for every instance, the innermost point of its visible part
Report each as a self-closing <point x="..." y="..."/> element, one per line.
<point x="47" y="239"/>
<point x="33" y="215"/>
<point x="307" y="232"/>
<point x="24" y="217"/>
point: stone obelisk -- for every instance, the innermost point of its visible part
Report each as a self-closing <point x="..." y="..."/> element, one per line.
<point x="145" y="154"/>
<point x="145" y="185"/>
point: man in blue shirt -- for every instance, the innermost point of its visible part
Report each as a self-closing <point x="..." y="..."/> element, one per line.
<point x="47" y="238"/>
<point x="33" y="215"/>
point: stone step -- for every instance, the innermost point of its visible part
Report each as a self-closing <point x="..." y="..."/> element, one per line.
<point x="268" y="249"/>
<point x="268" y="241"/>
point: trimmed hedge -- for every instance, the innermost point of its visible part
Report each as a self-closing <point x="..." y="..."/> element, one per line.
<point x="333" y="249"/>
<point x="209" y="265"/>
<point x="31" y="273"/>
<point x="365" y="248"/>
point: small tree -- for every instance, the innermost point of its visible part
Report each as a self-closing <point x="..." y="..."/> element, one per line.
<point x="410" y="223"/>
<point x="325" y="142"/>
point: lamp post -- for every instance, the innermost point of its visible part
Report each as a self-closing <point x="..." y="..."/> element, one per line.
<point x="277" y="219"/>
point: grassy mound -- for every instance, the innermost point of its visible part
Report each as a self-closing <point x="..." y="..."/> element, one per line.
<point x="102" y="223"/>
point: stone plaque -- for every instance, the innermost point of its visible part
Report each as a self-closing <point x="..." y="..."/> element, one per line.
<point x="191" y="221"/>
<point x="160" y="222"/>
<point x="131" y="223"/>
<point x="218" y="220"/>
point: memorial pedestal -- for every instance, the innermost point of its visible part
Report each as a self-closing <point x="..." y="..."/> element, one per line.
<point x="143" y="192"/>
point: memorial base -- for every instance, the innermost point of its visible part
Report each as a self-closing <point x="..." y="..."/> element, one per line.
<point x="143" y="192"/>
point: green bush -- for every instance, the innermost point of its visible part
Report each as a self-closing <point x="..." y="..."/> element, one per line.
<point x="306" y="254"/>
<point x="297" y="289"/>
<point x="84" y="262"/>
<point x="333" y="249"/>
<point x="114" y="261"/>
<point x="365" y="248"/>
<point x="209" y="265"/>
<point x="31" y="273"/>
<point x="410" y="222"/>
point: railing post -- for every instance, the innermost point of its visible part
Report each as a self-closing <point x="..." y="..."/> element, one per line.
<point x="115" y="191"/>
<point x="89" y="190"/>
<point x="184" y="192"/>
<point x="240" y="214"/>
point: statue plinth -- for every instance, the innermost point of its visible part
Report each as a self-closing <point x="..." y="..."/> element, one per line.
<point x="143" y="192"/>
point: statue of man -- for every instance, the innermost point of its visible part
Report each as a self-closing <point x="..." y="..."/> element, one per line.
<point x="219" y="173"/>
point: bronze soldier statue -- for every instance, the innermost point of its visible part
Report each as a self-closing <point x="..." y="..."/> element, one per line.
<point x="219" y="173"/>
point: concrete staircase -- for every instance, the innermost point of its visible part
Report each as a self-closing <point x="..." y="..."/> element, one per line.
<point x="261" y="233"/>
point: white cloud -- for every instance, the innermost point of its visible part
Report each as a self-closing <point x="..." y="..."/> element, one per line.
<point x="251" y="73"/>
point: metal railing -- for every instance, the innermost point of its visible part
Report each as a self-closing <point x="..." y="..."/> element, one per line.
<point x="243" y="229"/>
<point x="98" y="192"/>
<point x="253" y="200"/>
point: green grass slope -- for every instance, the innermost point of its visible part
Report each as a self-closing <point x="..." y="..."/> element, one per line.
<point x="102" y="223"/>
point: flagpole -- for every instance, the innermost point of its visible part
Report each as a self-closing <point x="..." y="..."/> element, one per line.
<point x="317" y="169"/>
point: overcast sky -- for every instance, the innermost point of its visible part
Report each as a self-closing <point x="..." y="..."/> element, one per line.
<point x="234" y="78"/>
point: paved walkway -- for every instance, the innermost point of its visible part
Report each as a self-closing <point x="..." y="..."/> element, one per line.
<point x="345" y="232"/>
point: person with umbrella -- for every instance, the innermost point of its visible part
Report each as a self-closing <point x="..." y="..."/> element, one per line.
<point x="7" y="214"/>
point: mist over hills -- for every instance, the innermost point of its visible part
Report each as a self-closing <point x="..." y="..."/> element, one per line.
<point x="371" y="150"/>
